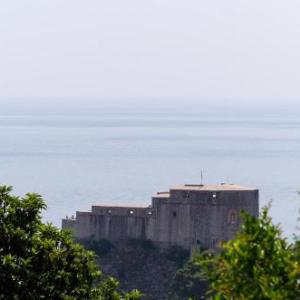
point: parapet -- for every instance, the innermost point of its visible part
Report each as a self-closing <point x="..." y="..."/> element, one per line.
<point x="208" y="193"/>
<point x="187" y="215"/>
<point x="222" y="187"/>
<point x="133" y="211"/>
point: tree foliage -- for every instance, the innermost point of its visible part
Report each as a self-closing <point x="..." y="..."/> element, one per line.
<point x="258" y="264"/>
<point x="177" y="254"/>
<point x="39" y="261"/>
<point x="189" y="281"/>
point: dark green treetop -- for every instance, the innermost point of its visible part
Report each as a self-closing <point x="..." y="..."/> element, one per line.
<point x="259" y="264"/>
<point x="39" y="261"/>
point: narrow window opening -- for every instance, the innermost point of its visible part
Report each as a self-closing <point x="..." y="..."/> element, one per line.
<point x="214" y="198"/>
<point x="232" y="218"/>
<point x="214" y="243"/>
<point x="174" y="214"/>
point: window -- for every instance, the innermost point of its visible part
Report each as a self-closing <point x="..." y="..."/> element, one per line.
<point x="214" y="243"/>
<point x="174" y="214"/>
<point x="213" y="197"/>
<point x="232" y="218"/>
<point x="185" y="194"/>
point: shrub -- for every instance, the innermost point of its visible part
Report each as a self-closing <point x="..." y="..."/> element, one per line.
<point x="177" y="254"/>
<point x="101" y="247"/>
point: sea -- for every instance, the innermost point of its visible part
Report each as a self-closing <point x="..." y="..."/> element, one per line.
<point x="79" y="155"/>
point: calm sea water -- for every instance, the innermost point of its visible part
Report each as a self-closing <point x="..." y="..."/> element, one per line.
<point x="122" y="156"/>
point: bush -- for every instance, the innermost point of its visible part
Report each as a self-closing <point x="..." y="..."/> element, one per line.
<point x="39" y="261"/>
<point x="177" y="254"/>
<point x="257" y="264"/>
<point x="142" y="243"/>
<point x="189" y="282"/>
<point x="101" y="247"/>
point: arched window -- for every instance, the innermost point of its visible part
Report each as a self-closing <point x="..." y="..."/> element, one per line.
<point x="232" y="217"/>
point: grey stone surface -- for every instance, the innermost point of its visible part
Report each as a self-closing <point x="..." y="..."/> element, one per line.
<point x="188" y="216"/>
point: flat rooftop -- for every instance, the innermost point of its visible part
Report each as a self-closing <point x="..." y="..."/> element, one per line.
<point x="119" y="206"/>
<point x="162" y="195"/>
<point x="212" y="187"/>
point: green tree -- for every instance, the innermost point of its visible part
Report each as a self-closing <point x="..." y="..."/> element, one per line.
<point x="189" y="281"/>
<point x="258" y="264"/>
<point x="39" y="261"/>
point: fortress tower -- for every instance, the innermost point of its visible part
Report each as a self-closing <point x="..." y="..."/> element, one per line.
<point x="188" y="215"/>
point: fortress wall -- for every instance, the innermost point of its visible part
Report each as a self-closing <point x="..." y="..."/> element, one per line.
<point x="218" y="219"/>
<point x="205" y="222"/>
<point x="109" y="222"/>
<point x="85" y="225"/>
<point x="159" y="198"/>
<point x="233" y="204"/>
<point x="150" y="227"/>
<point x="172" y="223"/>
<point x="68" y="224"/>
<point x="111" y="227"/>
<point x="192" y="217"/>
<point x="123" y="227"/>
<point x="180" y="224"/>
<point x="200" y="226"/>
<point x="118" y="210"/>
<point x="188" y="216"/>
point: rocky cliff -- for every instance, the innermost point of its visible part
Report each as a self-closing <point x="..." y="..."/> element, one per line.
<point x="139" y="264"/>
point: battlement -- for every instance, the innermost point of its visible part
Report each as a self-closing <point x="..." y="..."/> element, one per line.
<point x="119" y="210"/>
<point x="187" y="215"/>
<point x="212" y="187"/>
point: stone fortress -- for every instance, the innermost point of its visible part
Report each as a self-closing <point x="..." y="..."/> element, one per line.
<point x="189" y="216"/>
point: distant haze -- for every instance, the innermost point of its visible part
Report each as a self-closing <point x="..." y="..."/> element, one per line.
<point x="155" y="49"/>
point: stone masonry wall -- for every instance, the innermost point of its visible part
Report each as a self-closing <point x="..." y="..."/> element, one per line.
<point x="186" y="216"/>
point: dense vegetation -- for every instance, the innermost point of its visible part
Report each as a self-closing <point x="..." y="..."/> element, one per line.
<point x="139" y="263"/>
<point x="259" y="264"/>
<point x="39" y="261"/>
<point x="189" y="281"/>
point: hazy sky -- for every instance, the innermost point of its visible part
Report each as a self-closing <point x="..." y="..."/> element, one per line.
<point x="206" y="49"/>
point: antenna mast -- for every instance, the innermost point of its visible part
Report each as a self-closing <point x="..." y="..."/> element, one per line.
<point x="201" y="177"/>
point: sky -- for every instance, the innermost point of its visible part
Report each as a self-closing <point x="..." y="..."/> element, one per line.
<point x="245" y="50"/>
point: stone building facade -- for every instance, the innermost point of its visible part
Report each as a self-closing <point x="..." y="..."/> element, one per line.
<point x="187" y="215"/>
